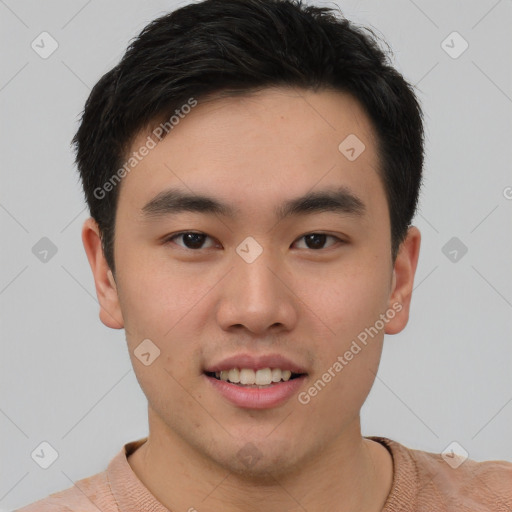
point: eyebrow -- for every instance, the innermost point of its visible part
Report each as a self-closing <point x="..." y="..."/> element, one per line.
<point x="174" y="201"/>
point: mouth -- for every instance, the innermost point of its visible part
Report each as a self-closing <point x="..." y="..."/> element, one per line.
<point x="265" y="388"/>
<point x="255" y="381"/>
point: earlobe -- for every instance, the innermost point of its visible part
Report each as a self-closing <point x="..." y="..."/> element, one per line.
<point x="403" y="280"/>
<point x="106" y="288"/>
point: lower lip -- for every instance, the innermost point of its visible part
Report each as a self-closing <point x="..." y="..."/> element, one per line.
<point x="256" y="398"/>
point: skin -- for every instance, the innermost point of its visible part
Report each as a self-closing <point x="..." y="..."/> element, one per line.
<point x="201" y="305"/>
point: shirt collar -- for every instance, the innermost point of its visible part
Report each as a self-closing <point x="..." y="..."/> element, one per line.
<point x="132" y="495"/>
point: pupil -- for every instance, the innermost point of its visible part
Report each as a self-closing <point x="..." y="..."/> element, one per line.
<point x="195" y="238"/>
<point x="317" y="238"/>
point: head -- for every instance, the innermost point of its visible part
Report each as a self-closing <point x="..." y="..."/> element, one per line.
<point x="254" y="104"/>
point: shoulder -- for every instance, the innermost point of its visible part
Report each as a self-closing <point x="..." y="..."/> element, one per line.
<point x="100" y="492"/>
<point x="86" y="495"/>
<point x="460" y="484"/>
<point x="472" y="485"/>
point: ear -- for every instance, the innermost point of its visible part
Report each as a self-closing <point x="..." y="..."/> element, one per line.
<point x="106" y="289"/>
<point x="403" y="280"/>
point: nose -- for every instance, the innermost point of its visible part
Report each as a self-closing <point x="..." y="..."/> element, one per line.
<point x="258" y="296"/>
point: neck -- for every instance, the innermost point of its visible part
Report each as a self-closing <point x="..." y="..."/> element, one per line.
<point x="349" y="474"/>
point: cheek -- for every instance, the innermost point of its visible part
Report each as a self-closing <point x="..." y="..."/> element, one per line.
<point x="159" y="304"/>
<point x="348" y="300"/>
<point x="349" y="352"/>
<point x="153" y="297"/>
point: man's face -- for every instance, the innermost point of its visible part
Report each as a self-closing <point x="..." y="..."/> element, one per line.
<point x="206" y="297"/>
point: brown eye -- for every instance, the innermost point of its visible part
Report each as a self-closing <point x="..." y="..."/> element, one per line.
<point x="190" y="239"/>
<point x="316" y="241"/>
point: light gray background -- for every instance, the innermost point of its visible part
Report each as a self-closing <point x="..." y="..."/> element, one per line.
<point x="67" y="379"/>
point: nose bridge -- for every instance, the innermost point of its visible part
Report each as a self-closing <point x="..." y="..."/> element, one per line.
<point x="256" y="297"/>
<point x="258" y="276"/>
<point x="255" y="258"/>
<point x="257" y="281"/>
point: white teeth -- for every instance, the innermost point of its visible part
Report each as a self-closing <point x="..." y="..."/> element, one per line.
<point x="276" y="375"/>
<point x="234" y="375"/>
<point x="248" y="377"/>
<point x="263" y="377"/>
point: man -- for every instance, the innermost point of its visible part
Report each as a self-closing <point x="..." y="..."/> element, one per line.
<point x="252" y="168"/>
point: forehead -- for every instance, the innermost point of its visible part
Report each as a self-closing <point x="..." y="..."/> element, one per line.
<point x="256" y="150"/>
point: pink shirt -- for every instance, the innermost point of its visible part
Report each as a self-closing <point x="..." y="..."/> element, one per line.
<point x="422" y="482"/>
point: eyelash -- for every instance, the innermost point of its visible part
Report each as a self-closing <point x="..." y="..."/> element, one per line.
<point x="170" y="239"/>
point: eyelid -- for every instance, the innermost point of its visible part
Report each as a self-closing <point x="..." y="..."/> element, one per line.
<point x="169" y="239"/>
<point x="339" y="241"/>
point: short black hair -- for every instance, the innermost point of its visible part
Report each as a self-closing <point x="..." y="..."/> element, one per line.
<point x="230" y="47"/>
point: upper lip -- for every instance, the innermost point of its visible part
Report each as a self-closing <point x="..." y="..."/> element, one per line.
<point x="256" y="362"/>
